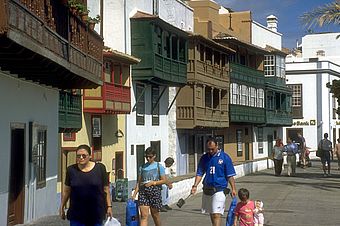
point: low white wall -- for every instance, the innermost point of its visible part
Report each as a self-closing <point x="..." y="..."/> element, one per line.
<point x="181" y="189"/>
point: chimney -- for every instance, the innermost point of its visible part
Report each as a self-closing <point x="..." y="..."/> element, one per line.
<point x="272" y="22"/>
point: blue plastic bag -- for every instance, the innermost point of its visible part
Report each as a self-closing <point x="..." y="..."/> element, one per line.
<point x="132" y="218"/>
<point x="231" y="214"/>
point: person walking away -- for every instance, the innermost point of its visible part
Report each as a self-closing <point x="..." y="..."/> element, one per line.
<point x="168" y="185"/>
<point x="87" y="187"/>
<point x="244" y="211"/>
<point x="278" y="156"/>
<point x="302" y="150"/>
<point x="149" y="185"/>
<point x="291" y="149"/>
<point x="218" y="169"/>
<point x="326" y="146"/>
<point x="337" y="152"/>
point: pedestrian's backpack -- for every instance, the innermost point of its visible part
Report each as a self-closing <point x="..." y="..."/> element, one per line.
<point x="132" y="218"/>
<point x="326" y="145"/>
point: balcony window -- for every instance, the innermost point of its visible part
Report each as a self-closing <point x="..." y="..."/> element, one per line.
<point x="140" y="107"/>
<point x="182" y="50"/>
<point x="117" y="74"/>
<point x="283" y="102"/>
<point x="216" y="99"/>
<point x="297" y="109"/>
<point x="270" y="101"/>
<point x="208" y="55"/>
<point x="166" y="38"/>
<point x="158" y="39"/>
<point x="235" y="93"/>
<point x="217" y="58"/>
<point x="269" y="65"/>
<point x="244" y="95"/>
<point x="155" y="105"/>
<point x="260" y="98"/>
<point x="201" y="50"/>
<point x="280" y="67"/>
<point x="174" y="46"/>
<point x="208" y="103"/>
<point x="107" y="71"/>
<point x="252" y="99"/>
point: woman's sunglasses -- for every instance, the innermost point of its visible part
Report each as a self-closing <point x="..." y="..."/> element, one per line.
<point x="149" y="156"/>
<point x="84" y="156"/>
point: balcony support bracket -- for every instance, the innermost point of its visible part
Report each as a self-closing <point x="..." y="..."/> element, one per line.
<point x="173" y="101"/>
<point x="139" y="98"/>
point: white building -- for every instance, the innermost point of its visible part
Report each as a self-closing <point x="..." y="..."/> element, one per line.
<point x="144" y="133"/>
<point x="314" y="108"/>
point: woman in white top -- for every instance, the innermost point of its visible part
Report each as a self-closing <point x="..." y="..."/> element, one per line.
<point x="278" y="156"/>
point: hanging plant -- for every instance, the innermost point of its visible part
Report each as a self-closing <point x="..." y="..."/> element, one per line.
<point x="92" y="21"/>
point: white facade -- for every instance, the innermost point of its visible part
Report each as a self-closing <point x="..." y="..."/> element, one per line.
<point x="117" y="35"/>
<point x="23" y="102"/>
<point x="317" y="102"/>
<point x="262" y="36"/>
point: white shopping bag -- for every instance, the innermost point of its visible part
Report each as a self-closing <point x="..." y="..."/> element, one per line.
<point x="112" y="222"/>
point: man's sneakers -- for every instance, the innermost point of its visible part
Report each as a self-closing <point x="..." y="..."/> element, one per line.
<point x="165" y="208"/>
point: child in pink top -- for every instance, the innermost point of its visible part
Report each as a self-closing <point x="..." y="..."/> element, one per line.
<point x="244" y="211"/>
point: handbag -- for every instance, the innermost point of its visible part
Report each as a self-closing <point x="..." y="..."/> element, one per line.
<point x="319" y="153"/>
<point x="207" y="190"/>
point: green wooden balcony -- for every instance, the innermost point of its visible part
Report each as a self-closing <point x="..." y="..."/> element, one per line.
<point x="162" y="49"/>
<point x="243" y="74"/>
<point x="70" y="112"/>
<point x="246" y="114"/>
<point x="278" y="118"/>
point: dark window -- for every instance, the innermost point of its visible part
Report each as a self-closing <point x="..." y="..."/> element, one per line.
<point x="297" y="109"/>
<point x="334" y="107"/>
<point x="208" y="103"/>
<point x="140" y="106"/>
<point x="140" y="156"/>
<point x="242" y="60"/>
<point x="201" y="49"/>
<point x="117" y="74"/>
<point x="182" y="50"/>
<point x="208" y="55"/>
<point x="158" y="40"/>
<point x="41" y="157"/>
<point x="166" y="44"/>
<point x="155" y="105"/>
<point x="156" y="145"/>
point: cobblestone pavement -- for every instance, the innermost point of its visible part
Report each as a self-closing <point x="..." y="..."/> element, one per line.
<point x="307" y="199"/>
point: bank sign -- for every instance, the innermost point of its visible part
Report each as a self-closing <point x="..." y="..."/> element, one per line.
<point x="305" y="123"/>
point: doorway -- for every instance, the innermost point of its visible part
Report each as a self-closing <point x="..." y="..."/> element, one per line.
<point x="16" y="197"/>
<point x="246" y="152"/>
<point x="292" y="133"/>
<point x="270" y="145"/>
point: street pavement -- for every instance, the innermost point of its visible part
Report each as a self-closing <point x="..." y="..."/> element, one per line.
<point x="307" y="199"/>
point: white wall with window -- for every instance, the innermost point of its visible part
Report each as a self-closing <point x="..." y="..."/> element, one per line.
<point x="26" y="102"/>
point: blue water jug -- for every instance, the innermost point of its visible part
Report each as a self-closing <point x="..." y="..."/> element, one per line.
<point x="132" y="218"/>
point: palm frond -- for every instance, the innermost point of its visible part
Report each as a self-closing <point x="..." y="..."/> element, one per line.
<point x="326" y="14"/>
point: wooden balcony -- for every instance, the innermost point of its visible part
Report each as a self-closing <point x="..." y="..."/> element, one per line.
<point x="70" y="112"/>
<point x="108" y="99"/>
<point x="43" y="42"/>
<point x="278" y="118"/>
<point x="189" y="117"/>
<point x="213" y="75"/>
<point x="162" y="49"/>
<point x="250" y="76"/>
<point x="246" y="114"/>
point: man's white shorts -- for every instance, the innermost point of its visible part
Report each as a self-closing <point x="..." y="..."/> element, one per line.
<point x="214" y="203"/>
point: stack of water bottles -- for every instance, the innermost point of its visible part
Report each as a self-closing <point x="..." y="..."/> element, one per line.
<point x="132" y="218"/>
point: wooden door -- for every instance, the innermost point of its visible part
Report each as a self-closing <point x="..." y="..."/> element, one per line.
<point x="16" y="199"/>
<point x="246" y="151"/>
<point x="270" y="145"/>
<point x="119" y="170"/>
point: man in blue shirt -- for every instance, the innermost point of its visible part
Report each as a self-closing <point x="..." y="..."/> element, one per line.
<point x="292" y="149"/>
<point x="219" y="170"/>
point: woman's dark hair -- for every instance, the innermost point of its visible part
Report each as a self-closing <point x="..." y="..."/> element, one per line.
<point x="85" y="147"/>
<point x="211" y="140"/>
<point x="169" y="161"/>
<point x="243" y="194"/>
<point x="150" y="151"/>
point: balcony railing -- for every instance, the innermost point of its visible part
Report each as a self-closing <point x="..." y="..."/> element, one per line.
<point x="246" y="74"/>
<point x="280" y="118"/>
<point x="70" y="112"/>
<point x="207" y="73"/>
<point x="49" y="29"/>
<point x="108" y="99"/>
<point x="170" y="70"/>
<point x="246" y="114"/>
<point x="191" y="117"/>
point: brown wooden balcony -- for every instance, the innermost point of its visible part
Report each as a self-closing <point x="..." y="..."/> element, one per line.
<point x="189" y="117"/>
<point x="213" y="75"/>
<point x="108" y="99"/>
<point x="44" y="42"/>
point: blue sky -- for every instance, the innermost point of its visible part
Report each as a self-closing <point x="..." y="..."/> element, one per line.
<point x="287" y="11"/>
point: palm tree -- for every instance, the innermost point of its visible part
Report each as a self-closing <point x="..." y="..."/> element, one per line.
<point x="326" y="14"/>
